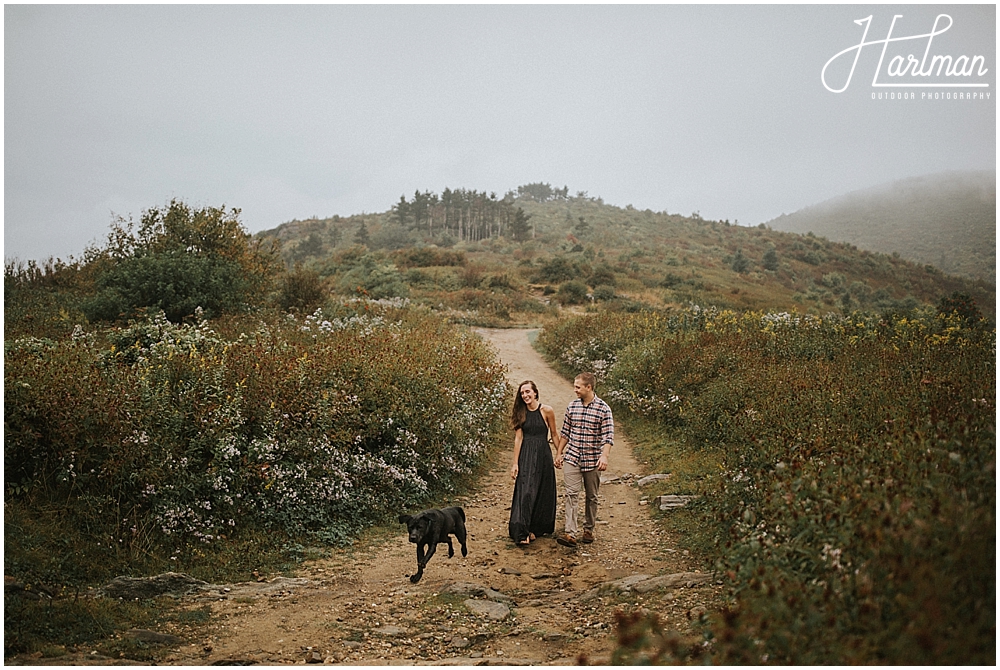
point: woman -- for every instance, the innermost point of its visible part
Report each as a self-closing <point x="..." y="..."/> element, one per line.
<point x="533" y="510"/>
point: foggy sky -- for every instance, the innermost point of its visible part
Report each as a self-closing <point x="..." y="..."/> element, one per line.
<point x="293" y="112"/>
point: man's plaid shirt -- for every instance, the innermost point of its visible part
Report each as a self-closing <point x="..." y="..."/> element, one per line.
<point x="588" y="428"/>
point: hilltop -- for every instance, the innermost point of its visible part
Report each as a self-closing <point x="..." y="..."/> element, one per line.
<point x="947" y="220"/>
<point x="496" y="261"/>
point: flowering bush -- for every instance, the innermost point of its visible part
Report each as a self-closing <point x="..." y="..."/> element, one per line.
<point x="319" y="424"/>
<point x="855" y="511"/>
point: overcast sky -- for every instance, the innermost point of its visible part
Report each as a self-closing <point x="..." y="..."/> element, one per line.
<point x="293" y="112"/>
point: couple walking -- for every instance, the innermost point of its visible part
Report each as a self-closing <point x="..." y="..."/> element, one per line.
<point x="582" y="448"/>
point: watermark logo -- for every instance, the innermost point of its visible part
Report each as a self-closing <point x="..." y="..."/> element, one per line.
<point x="904" y="69"/>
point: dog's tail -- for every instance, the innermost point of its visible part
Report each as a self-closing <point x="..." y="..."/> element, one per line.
<point x="462" y="512"/>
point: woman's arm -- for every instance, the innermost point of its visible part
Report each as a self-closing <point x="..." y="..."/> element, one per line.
<point x="518" y="437"/>
<point x="549" y="415"/>
<point x="550" y="420"/>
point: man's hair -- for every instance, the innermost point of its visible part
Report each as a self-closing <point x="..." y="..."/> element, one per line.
<point x="588" y="379"/>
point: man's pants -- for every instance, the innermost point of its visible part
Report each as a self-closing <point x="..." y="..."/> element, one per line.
<point x="574" y="480"/>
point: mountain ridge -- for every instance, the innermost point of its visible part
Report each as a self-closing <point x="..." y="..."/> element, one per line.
<point x="947" y="220"/>
<point x="579" y="250"/>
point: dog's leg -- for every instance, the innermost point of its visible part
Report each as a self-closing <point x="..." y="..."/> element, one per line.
<point x="431" y="548"/>
<point x="460" y="534"/>
<point x="451" y="549"/>
<point x="420" y="565"/>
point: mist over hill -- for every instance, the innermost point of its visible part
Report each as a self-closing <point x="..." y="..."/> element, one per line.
<point x="947" y="220"/>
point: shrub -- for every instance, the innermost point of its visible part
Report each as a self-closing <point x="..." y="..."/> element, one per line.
<point x="173" y="282"/>
<point x="181" y="437"/>
<point x="604" y="292"/>
<point x="472" y="276"/>
<point x="500" y="280"/>
<point x="603" y="275"/>
<point x="558" y="269"/>
<point x="854" y="515"/>
<point x="425" y="257"/>
<point x="671" y="280"/>
<point x="813" y="257"/>
<point x="962" y="305"/>
<point x="374" y="279"/>
<point x="572" y="293"/>
<point x="834" y="281"/>
<point x="390" y="236"/>
<point x="490" y="303"/>
<point x="739" y="262"/>
<point x="43" y="300"/>
<point x="301" y="289"/>
<point x="770" y="259"/>
<point x="179" y="259"/>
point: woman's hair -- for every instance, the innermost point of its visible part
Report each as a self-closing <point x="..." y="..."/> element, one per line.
<point x="520" y="411"/>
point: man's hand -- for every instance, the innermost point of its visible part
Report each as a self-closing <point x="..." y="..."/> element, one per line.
<point x="602" y="462"/>
<point x="558" y="461"/>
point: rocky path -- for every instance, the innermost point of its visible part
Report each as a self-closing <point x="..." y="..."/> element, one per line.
<point x="502" y="605"/>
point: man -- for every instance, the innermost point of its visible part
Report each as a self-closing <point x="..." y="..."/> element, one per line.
<point x="587" y="434"/>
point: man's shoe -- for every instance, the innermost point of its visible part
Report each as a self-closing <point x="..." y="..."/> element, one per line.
<point x="587" y="538"/>
<point x="566" y="540"/>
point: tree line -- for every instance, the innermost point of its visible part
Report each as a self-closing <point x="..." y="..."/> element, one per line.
<point x="465" y="215"/>
<point x="471" y="215"/>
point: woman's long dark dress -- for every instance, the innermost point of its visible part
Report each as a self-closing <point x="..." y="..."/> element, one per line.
<point x="533" y="509"/>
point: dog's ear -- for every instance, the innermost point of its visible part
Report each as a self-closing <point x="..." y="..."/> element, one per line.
<point x="404" y="518"/>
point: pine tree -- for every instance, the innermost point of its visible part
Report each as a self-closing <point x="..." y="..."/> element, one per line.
<point x="519" y="228"/>
<point x="740" y="263"/>
<point x="402" y="210"/>
<point x="361" y="237"/>
<point x="770" y="260"/>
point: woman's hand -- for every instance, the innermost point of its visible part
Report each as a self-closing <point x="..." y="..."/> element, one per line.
<point x="513" y="471"/>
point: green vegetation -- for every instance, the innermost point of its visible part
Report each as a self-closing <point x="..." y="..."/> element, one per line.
<point x="218" y="449"/>
<point x="946" y="220"/>
<point x="49" y="628"/>
<point x="137" y="443"/>
<point x="181" y="436"/>
<point x="189" y="397"/>
<point x="176" y="260"/>
<point x="482" y="259"/>
<point x="846" y="466"/>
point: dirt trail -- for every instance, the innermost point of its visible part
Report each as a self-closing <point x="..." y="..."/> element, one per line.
<point x="500" y="605"/>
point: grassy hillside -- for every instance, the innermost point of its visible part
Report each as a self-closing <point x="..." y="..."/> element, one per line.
<point x="582" y="251"/>
<point x="190" y="398"/>
<point x="844" y="468"/>
<point x="160" y="414"/>
<point x="947" y="220"/>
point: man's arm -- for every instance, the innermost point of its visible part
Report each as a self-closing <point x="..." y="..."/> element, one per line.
<point x="562" y="439"/>
<point x="607" y="439"/>
<point x="602" y="462"/>
<point x="560" y="443"/>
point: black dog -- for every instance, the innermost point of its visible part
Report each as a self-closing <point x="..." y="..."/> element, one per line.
<point x="431" y="527"/>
